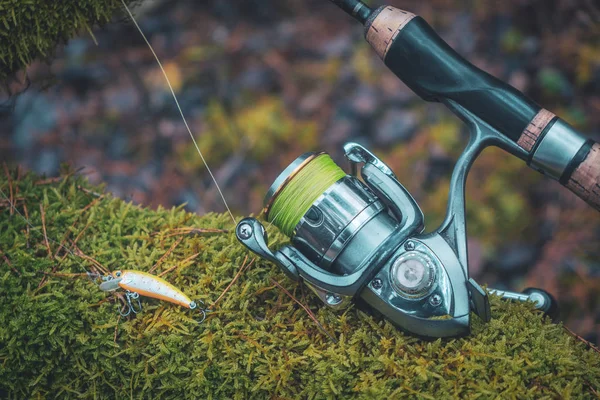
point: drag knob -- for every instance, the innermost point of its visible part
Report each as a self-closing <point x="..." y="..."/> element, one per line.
<point x="413" y="274"/>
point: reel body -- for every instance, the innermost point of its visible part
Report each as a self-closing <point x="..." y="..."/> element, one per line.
<point x="364" y="240"/>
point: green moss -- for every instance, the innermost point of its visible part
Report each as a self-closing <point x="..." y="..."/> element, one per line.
<point x="31" y="29"/>
<point x="58" y="340"/>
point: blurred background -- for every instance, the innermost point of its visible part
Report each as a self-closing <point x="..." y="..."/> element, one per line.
<point x="262" y="82"/>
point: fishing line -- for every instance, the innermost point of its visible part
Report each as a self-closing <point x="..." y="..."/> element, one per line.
<point x="295" y="199"/>
<point x="179" y="108"/>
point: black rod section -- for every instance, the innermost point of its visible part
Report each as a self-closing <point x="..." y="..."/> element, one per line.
<point x="359" y="10"/>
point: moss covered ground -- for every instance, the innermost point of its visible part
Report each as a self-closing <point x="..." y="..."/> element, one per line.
<point x="32" y="29"/>
<point x="61" y="337"/>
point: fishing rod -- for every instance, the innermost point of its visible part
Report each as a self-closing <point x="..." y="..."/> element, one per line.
<point x="364" y="241"/>
<point x="415" y="53"/>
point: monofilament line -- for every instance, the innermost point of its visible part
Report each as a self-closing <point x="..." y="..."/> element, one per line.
<point x="179" y="108"/>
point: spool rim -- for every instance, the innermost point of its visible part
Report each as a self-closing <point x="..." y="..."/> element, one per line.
<point x="286" y="177"/>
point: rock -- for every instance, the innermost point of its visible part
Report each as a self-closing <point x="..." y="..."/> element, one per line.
<point x="220" y="35"/>
<point x="192" y="100"/>
<point x="461" y="35"/>
<point x="312" y="101"/>
<point x="476" y="259"/>
<point x="439" y="165"/>
<point x="118" y="147"/>
<point x="530" y="45"/>
<point x="190" y="199"/>
<point x="593" y="269"/>
<point x="595" y="81"/>
<point x="34" y="114"/>
<point x="554" y="82"/>
<point x="395" y="92"/>
<point x="84" y="79"/>
<point x="592" y="337"/>
<point x="76" y="49"/>
<point x="341" y="131"/>
<point x="520" y="80"/>
<point x="147" y="175"/>
<point x="47" y="161"/>
<point x="120" y="100"/>
<point x="284" y="34"/>
<point x="258" y="43"/>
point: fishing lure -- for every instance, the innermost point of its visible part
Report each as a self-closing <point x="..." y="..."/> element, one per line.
<point x="136" y="283"/>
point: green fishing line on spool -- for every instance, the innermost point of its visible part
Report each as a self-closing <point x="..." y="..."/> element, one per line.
<point x="301" y="192"/>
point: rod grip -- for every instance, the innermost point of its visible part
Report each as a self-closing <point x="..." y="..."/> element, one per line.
<point x="413" y="51"/>
<point x="585" y="178"/>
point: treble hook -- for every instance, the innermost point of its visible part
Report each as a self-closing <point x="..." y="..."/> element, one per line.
<point x="203" y="310"/>
<point x="124" y="307"/>
<point x="130" y="306"/>
<point x="135" y="296"/>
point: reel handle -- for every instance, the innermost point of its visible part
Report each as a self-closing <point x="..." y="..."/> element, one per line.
<point x="543" y="300"/>
<point x="413" y="51"/>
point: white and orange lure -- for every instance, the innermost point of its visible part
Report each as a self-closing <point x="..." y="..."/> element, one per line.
<point x="136" y="283"/>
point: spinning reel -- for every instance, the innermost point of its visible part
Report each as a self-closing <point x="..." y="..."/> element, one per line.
<point x="353" y="239"/>
<point x="364" y="239"/>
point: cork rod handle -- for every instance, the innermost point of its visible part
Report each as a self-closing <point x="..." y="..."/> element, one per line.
<point x="585" y="179"/>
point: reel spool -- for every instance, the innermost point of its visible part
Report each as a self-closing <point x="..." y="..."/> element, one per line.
<point x="297" y="187"/>
<point x="363" y="239"/>
<point x="322" y="210"/>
